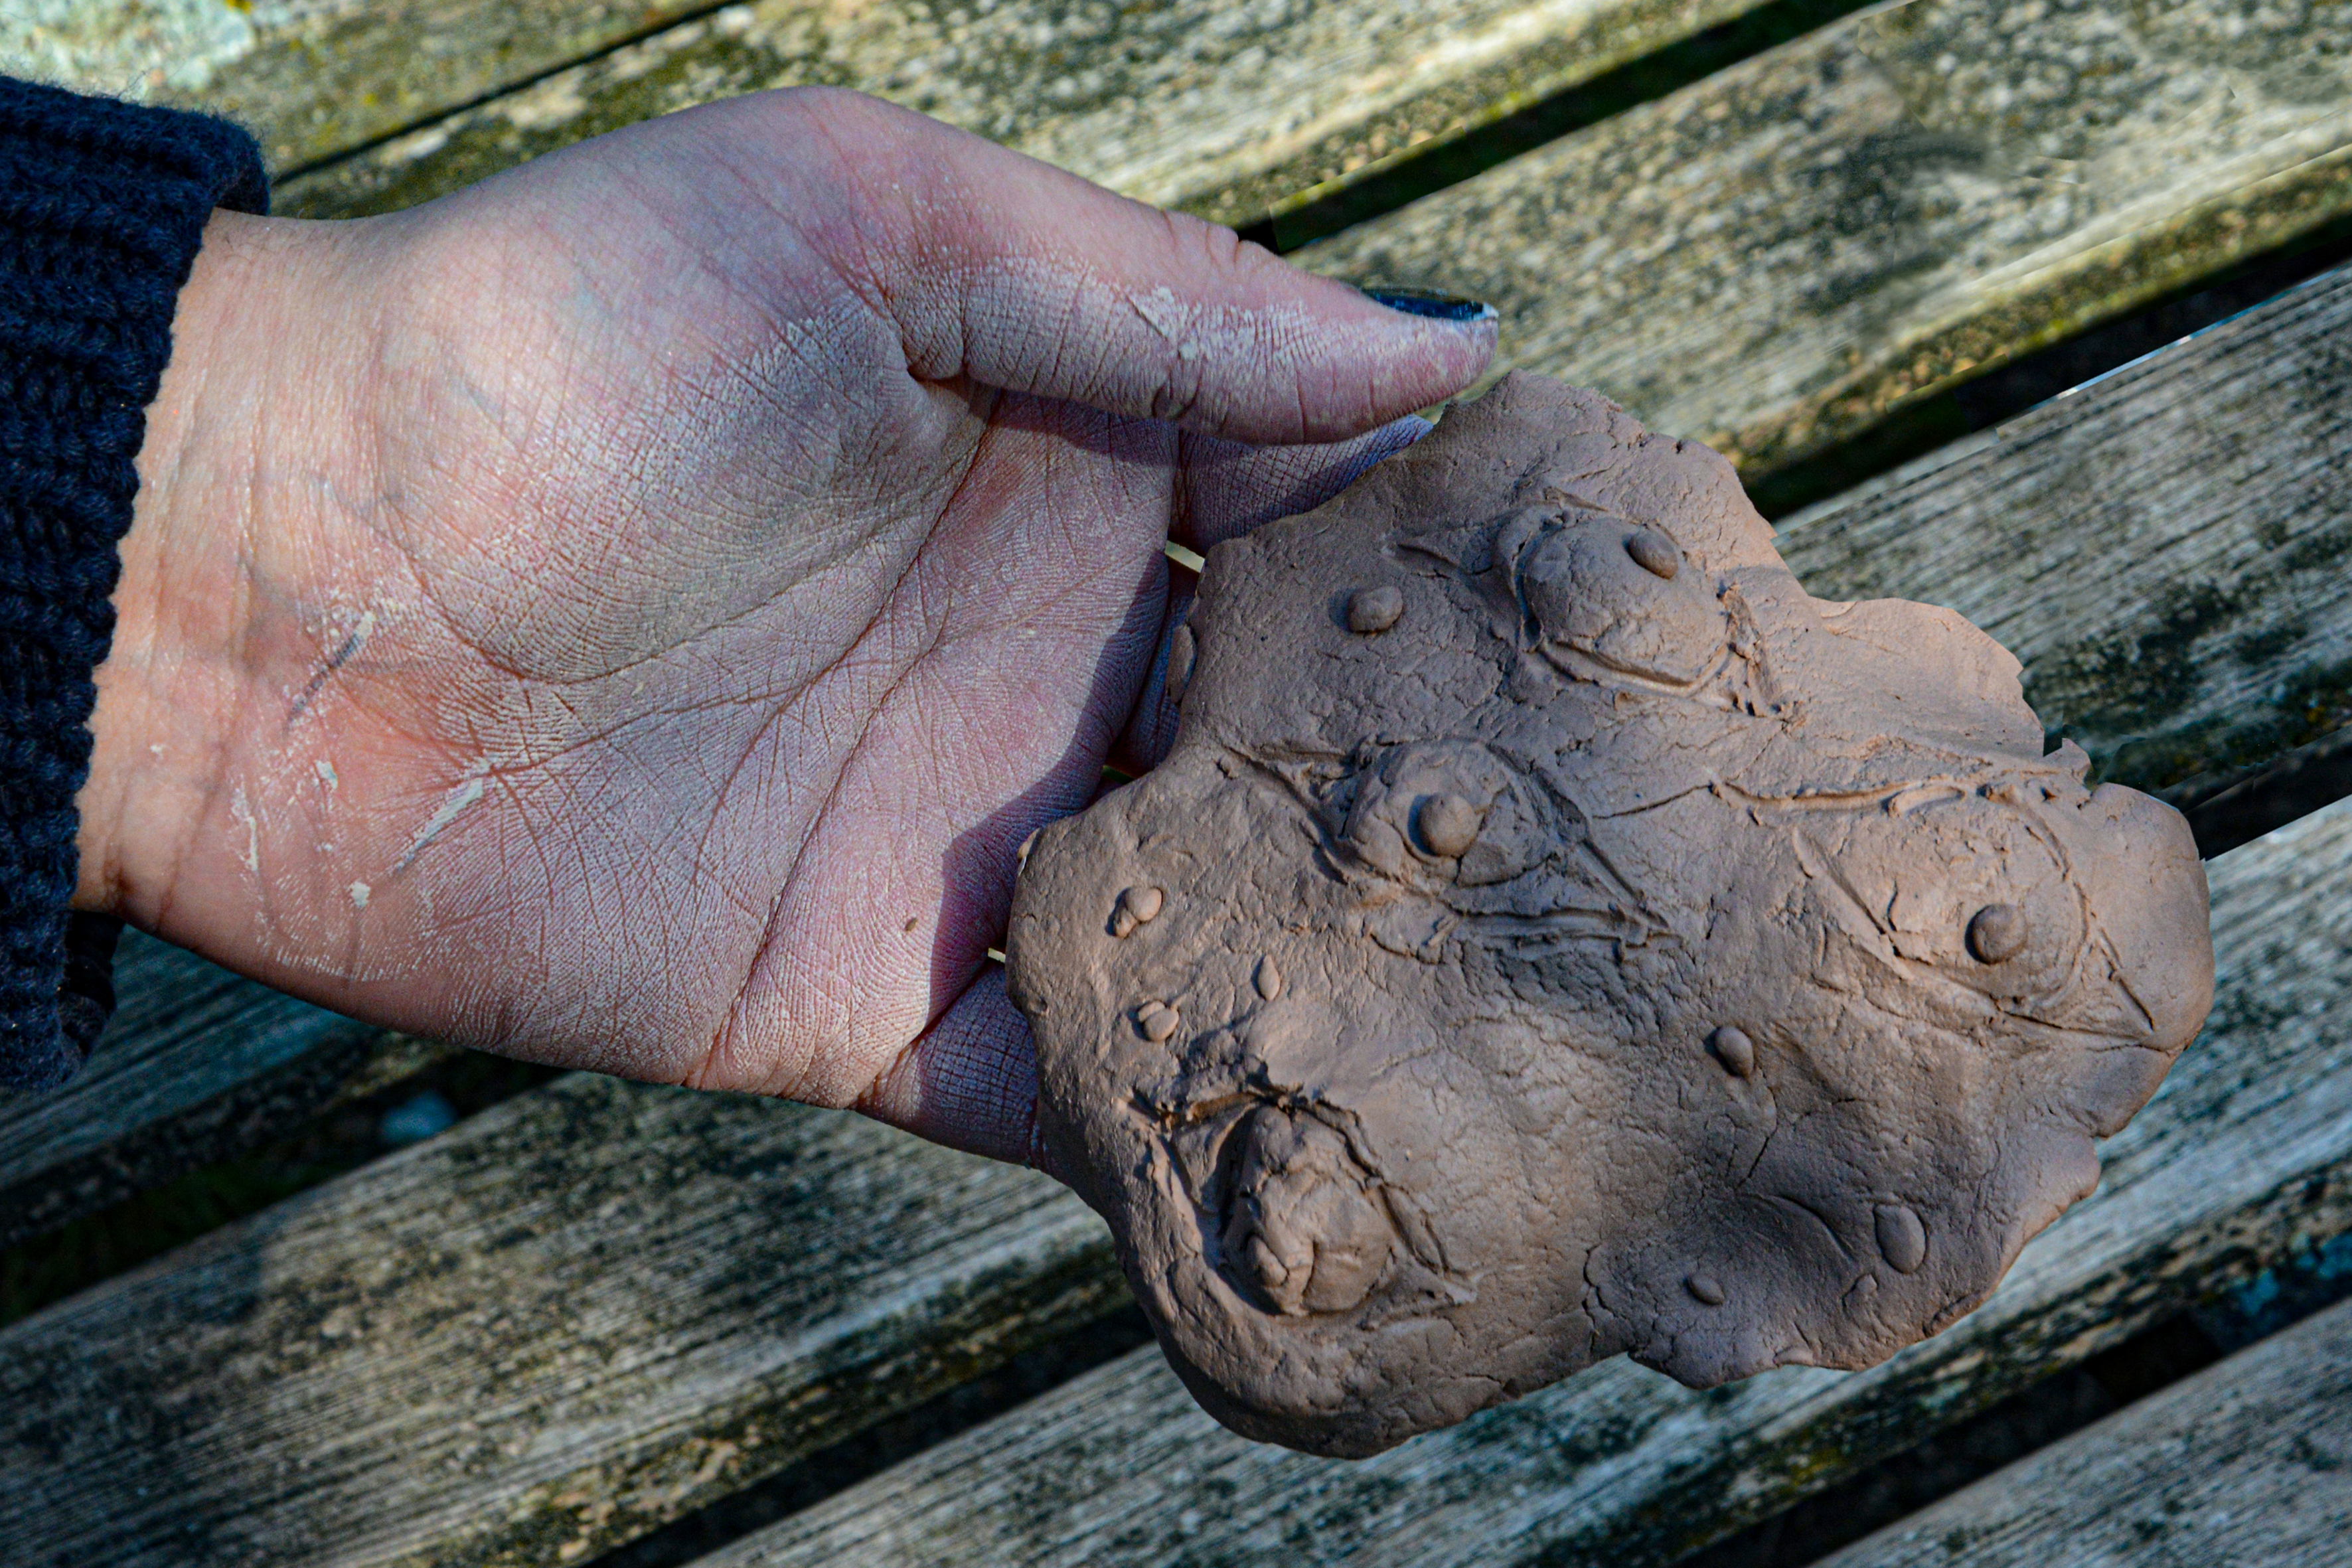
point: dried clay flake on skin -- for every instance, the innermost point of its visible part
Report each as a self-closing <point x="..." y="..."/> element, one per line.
<point x="1554" y="934"/>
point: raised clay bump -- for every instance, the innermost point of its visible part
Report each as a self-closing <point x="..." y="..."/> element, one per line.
<point x="1466" y="1097"/>
<point x="1303" y="1231"/>
<point x="1997" y="933"/>
<point x="1448" y="825"/>
<point x="1734" y="1049"/>
<point x="1901" y="1238"/>
<point x="1375" y="610"/>
<point x="1136" y="907"/>
<point x="1654" y="552"/>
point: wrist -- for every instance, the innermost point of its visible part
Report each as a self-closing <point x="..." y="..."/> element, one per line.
<point x="171" y="692"/>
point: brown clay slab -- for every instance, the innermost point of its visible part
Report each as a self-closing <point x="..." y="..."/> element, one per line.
<point x="1555" y="934"/>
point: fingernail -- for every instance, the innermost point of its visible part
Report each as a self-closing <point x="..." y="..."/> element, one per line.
<point x="1429" y="303"/>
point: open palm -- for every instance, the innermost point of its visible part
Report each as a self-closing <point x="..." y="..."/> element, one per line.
<point x="629" y="613"/>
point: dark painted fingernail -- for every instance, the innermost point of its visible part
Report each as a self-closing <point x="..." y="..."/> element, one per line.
<point x="1429" y="303"/>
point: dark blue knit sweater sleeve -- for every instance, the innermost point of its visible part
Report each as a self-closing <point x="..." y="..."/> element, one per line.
<point x="102" y="206"/>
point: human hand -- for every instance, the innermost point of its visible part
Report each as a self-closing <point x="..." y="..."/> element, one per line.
<point x="627" y="613"/>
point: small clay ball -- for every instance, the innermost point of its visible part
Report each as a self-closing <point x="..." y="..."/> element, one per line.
<point x="1136" y="907"/>
<point x="1447" y="823"/>
<point x="1654" y="552"/>
<point x="1734" y="1049"/>
<point x="1997" y="933"/>
<point x="1374" y="610"/>
<point x="1902" y="1237"/>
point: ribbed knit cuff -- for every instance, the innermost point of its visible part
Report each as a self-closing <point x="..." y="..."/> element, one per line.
<point x="102" y="206"/>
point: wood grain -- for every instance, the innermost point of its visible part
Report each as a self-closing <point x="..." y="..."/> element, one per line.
<point x="2245" y="1154"/>
<point x="1777" y="257"/>
<point x="575" y="1317"/>
<point x="2166" y="550"/>
<point x="2249" y="1462"/>
<point x="314" y="78"/>
<point x="196" y="1065"/>
<point x="1237" y="110"/>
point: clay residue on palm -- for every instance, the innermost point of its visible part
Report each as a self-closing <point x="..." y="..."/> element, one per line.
<point x="1555" y="935"/>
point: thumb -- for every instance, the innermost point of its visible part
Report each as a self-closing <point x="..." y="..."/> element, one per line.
<point x="970" y="1081"/>
<point x="1015" y="274"/>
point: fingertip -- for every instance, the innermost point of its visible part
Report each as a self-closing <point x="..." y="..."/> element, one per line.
<point x="1360" y="361"/>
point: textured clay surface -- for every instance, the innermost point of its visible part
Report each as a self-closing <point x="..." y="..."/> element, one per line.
<point x="1555" y="934"/>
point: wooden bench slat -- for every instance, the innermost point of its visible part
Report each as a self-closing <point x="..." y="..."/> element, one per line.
<point x="1775" y="259"/>
<point x="1235" y="112"/>
<point x="197" y="1063"/>
<point x="2247" y="1462"/>
<point x="511" y="1292"/>
<point x="2166" y="550"/>
<point x="2247" y="1149"/>
<point x="577" y="1315"/>
<point x="313" y="78"/>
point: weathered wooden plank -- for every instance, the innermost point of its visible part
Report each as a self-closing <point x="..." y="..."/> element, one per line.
<point x="2166" y="550"/>
<point x="196" y="1065"/>
<point x="2247" y="1462"/>
<point x="1775" y="259"/>
<point x="568" y="1319"/>
<point x="1233" y="110"/>
<point x="2246" y="1153"/>
<point x="312" y="78"/>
